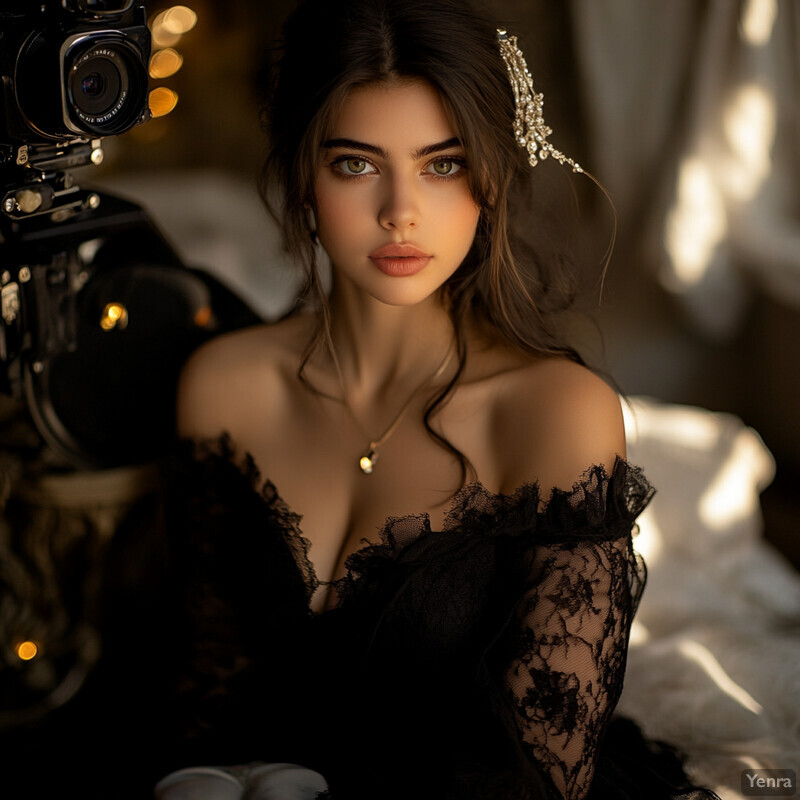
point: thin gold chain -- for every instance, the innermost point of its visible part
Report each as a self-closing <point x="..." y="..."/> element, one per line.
<point x="367" y="461"/>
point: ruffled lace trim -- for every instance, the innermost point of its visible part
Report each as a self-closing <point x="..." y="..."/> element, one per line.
<point x="598" y="505"/>
<point x="218" y="456"/>
<point x="595" y="500"/>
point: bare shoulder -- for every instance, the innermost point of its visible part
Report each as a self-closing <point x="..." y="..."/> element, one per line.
<point x="554" y="419"/>
<point x="232" y="377"/>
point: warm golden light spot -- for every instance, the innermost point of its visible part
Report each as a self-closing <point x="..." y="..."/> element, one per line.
<point x="202" y="317"/>
<point x="161" y="36"/>
<point x="114" y="315"/>
<point x="165" y="63"/>
<point x="179" y="19"/>
<point x="732" y="495"/>
<point x="27" y="650"/>
<point x="696" y="224"/>
<point x="750" y="124"/>
<point x="162" y="101"/>
<point x="758" y="21"/>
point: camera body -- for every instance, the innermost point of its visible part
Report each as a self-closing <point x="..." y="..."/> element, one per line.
<point x="98" y="313"/>
<point x="70" y="69"/>
<point x="97" y="309"/>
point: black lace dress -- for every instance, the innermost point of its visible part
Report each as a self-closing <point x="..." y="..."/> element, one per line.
<point x="483" y="660"/>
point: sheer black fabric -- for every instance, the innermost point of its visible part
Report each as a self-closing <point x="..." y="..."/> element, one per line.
<point x="480" y="661"/>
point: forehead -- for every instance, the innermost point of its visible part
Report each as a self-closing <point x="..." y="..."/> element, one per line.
<point x="400" y="117"/>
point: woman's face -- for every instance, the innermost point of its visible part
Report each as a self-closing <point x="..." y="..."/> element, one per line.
<point x="394" y="209"/>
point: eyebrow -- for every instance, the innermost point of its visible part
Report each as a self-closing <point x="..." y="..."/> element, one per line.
<point x="427" y="150"/>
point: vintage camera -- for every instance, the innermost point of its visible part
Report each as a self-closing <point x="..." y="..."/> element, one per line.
<point x="97" y="310"/>
<point x="70" y="69"/>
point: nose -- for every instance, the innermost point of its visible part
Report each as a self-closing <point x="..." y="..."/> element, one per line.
<point x="399" y="207"/>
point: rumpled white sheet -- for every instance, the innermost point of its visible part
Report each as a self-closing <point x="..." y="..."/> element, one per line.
<point x="714" y="662"/>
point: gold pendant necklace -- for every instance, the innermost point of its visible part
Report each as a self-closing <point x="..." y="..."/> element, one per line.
<point x="367" y="461"/>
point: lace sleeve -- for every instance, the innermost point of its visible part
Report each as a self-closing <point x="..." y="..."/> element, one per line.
<point x="567" y="671"/>
<point x="231" y="568"/>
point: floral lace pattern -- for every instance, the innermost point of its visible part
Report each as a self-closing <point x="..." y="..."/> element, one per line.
<point x="567" y="674"/>
<point x="568" y="651"/>
<point x="520" y="602"/>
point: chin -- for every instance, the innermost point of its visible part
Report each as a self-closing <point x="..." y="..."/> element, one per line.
<point x="404" y="297"/>
<point x="392" y="291"/>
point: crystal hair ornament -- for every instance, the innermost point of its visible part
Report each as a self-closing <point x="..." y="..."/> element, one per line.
<point x="529" y="127"/>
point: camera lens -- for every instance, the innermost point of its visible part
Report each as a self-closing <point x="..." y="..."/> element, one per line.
<point x="81" y="82"/>
<point x="92" y="84"/>
<point x="106" y="86"/>
<point x="97" y="85"/>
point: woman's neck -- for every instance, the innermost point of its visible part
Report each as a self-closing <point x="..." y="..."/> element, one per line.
<point x="384" y="351"/>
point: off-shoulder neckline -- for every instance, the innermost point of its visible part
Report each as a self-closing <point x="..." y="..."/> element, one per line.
<point x="598" y="502"/>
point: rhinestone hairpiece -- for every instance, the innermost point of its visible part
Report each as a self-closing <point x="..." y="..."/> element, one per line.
<point x="529" y="128"/>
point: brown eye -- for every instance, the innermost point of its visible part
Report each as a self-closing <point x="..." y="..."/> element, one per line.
<point x="355" y="166"/>
<point x="445" y="167"/>
<point x="352" y="166"/>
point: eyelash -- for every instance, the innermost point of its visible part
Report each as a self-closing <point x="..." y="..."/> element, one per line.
<point x="458" y="160"/>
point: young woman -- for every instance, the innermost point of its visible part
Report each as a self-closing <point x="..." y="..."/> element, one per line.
<point x="432" y="595"/>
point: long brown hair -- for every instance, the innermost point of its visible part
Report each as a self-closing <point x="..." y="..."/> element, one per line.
<point x="508" y="283"/>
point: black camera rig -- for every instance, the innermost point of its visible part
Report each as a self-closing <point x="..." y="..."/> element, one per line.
<point x="76" y="68"/>
<point x="97" y="311"/>
<point x="97" y="315"/>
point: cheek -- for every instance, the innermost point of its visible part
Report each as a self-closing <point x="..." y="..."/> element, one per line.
<point x="460" y="217"/>
<point x="458" y="203"/>
<point x="337" y="209"/>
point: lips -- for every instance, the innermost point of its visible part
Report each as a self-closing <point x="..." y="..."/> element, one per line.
<point x="400" y="260"/>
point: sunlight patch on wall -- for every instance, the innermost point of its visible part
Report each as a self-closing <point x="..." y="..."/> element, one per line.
<point x="758" y="21"/>
<point x="749" y="123"/>
<point x="696" y="224"/>
<point x="731" y="160"/>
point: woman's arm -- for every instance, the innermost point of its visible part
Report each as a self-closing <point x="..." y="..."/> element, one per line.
<point x="567" y="675"/>
<point x="573" y="621"/>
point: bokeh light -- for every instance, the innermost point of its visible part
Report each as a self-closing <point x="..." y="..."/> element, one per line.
<point x="165" y="63"/>
<point x="179" y="20"/>
<point x="114" y="315"/>
<point x="27" y="650"/>
<point x="162" y="101"/>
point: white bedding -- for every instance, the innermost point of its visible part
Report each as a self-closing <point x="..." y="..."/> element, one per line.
<point x="714" y="663"/>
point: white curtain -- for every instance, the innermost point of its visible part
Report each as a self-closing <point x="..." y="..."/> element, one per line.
<point x="694" y="110"/>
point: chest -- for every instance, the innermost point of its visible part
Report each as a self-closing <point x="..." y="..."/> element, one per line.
<point x="313" y="460"/>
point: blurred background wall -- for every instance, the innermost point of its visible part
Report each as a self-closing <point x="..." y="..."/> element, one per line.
<point x="685" y="111"/>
